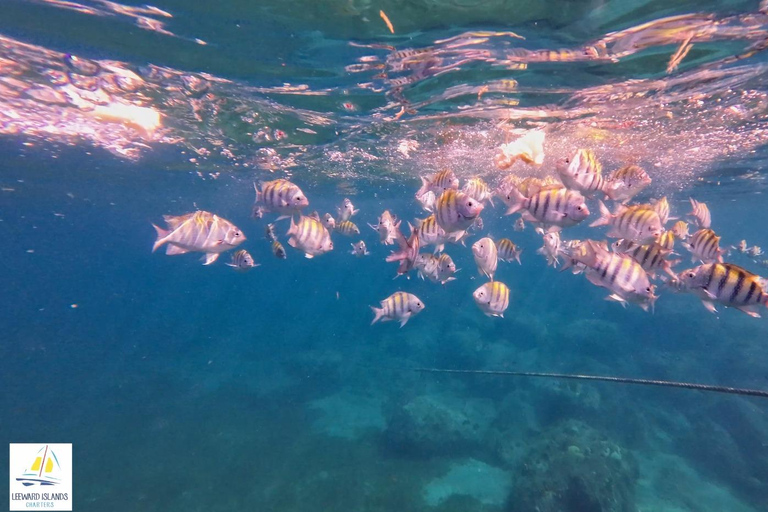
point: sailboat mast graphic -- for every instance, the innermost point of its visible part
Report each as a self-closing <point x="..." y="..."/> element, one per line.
<point x="42" y="465"/>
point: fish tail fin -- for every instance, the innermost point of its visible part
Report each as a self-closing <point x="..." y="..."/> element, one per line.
<point x="517" y="199"/>
<point x="258" y="193"/>
<point x="425" y="184"/>
<point x="161" y="234"/>
<point x="378" y="314"/>
<point x="517" y="254"/>
<point x="605" y="216"/>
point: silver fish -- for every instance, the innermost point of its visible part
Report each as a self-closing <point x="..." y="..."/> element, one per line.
<point x="346" y="210"/>
<point x="627" y="182"/>
<point x="430" y="233"/>
<point x="652" y="257"/>
<point x="280" y="196"/>
<point x="428" y="267"/>
<point x="726" y="284"/>
<point x="492" y="298"/>
<point x="446" y="268"/>
<point x="359" y="249"/>
<point x="478" y="189"/>
<point x="661" y="207"/>
<point x="309" y="236"/>
<point x="551" y="248"/>
<point x="456" y="211"/>
<point x="582" y="172"/>
<point x="386" y="228"/>
<point x="242" y="261"/>
<point x="638" y="223"/>
<point x="198" y="232"/>
<point x="556" y="207"/>
<point x="704" y="245"/>
<point x="486" y="256"/>
<point x="438" y="183"/>
<point x="398" y="306"/>
<point x="427" y="201"/>
<point x="329" y="222"/>
<point x="700" y="212"/>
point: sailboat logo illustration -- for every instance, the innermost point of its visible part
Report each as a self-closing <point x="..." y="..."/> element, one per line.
<point x="44" y="470"/>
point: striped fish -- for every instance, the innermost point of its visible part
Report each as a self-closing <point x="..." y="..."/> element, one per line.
<point x="359" y="249"/>
<point x="558" y="207"/>
<point x="661" y="207"/>
<point x="551" y="248"/>
<point x="446" y="268"/>
<point x="428" y="267"/>
<point x="386" y="228"/>
<point x="438" y="183"/>
<point x="532" y="185"/>
<point x="637" y="223"/>
<point x="726" y="284"/>
<point x="430" y="233"/>
<point x="269" y="232"/>
<point x="667" y="240"/>
<point x="492" y="298"/>
<point x="486" y="256"/>
<point x="619" y="273"/>
<point x="329" y="222"/>
<point x="409" y="250"/>
<point x="200" y="231"/>
<point x="680" y="229"/>
<point x="582" y="172"/>
<point x="347" y="228"/>
<point x="652" y="257"/>
<point x="456" y="211"/>
<point x="427" y="201"/>
<point x="242" y="261"/>
<point x="278" y="250"/>
<point x="478" y="189"/>
<point x="508" y="251"/>
<point x="346" y="210"/>
<point x="309" y="236"/>
<point x="507" y="183"/>
<point x="398" y="306"/>
<point x="700" y="212"/>
<point x="529" y="148"/>
<point x="704" y="245"/>
<point x="626" y="182"/>
<point x="281" y="196"/>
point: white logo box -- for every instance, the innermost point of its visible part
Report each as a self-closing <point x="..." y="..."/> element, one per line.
<point x="40" y="476"/>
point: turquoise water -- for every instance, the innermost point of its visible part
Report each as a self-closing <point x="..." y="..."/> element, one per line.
<point x="191" y="387"/>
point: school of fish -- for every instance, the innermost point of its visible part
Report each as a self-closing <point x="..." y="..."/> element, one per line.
<point x="632" y="266"/>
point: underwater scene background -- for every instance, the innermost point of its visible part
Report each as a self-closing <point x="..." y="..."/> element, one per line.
<point x="199" y="388"/>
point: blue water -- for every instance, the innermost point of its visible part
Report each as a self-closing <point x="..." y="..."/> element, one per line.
<point x="191" y="387"/>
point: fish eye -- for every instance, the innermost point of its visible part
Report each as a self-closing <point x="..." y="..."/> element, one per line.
<point x="691" y="275"/>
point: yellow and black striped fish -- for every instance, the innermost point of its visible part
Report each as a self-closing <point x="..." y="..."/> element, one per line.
<point x="309" y="236"/>
<point x="456" y="211"/>
<point x="200" y="231"/>
<point x="652" y="257"/>
<point x="508" y="251"/>
<point x="398" y="306"/>
<point x="640" y="224"/>
<point x="661" y="207"/>
<point x="680" y="229"/>
<point x="280" y="196"/>
<point x="278" y="250"/>
<point x="704" y="245"/>
<point x="626" y="182"/>
<point x="667" y="240"/>
<point x="492" y="298"/>
<point x="478" y="189"/>
<point x="582" y="172"/>
<point x="726" y="284"/>
<point x="347" y="228"/>
<point x="700" y="212"/>
<point x="446" y="268"/>
<point x="486" y="256"/>
<point x="430" y="233"/>
<point x="438" y="182"/>
<point x="242" y="261"/>
<point x="550" y="206"/>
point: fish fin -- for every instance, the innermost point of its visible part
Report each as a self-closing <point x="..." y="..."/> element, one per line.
<point x="292" y="242"/>
<point x="210" y="257"/>
<point x="308" y="256"/>
<point x="373" y="227"/>
<point x="709" y="294"/>
<point x="405" y="319"/>
<point x="710" y="306"/>
<point x="161" y="237"/>
<point x="617" y="298"/>
<point x="378" y="312"/>
<point x="292" y="230"/>
<point x="172" y="250"/>
<point x="354" y="212"/>
<point x="591" y="277"/>
<point x="605" y="216"/>
<point x="284" y="217"/>
<point x="517" y="256"/>
<point x="231" y="265"/>
<point x="258" y="193"/>
<point x="747" y="310"/>
<point x="439" y="248"/>
<point x="425" y="185"/>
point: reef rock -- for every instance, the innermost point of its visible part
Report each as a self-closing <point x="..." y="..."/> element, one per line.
<point x="439" y="424"/>
<point x="574" y="468"/>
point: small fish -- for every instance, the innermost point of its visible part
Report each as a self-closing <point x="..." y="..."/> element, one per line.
<point x="637" y="223"/>
<point x="278" y="250"/>
<point x="456" y="211"/>
<point x="478" y="189"/>
<point x="428" y="267"/>
<point x="280" y="196"/>
<point x="492" y="298"/>
<point x="529" y="148"/>
<point x="427" y="201"/>
<point x="269" y="233"/>
<point x="667" y="240"/>
<point x="200" y="231"/>
<point x="700" y="212"/>
<point x="519" y="224"/>
<point x="507" y="183"/>
<point x="680" y="229"/>
<point x="661" y="207"/>
<point x="386" y="228"/>
<point x="704" y="245"/>
<point x="309" y="236"/>
<point x="652" y="257"/>
<point x="742" y="247"/>
<point x="582" y="172"/>
<point x="430" y="233"/>
<point x="755" y="251"/>
<point x="398" y="306"/>
<point x="347" y="228"/>
<point x="329" y="222"/>
<point x="727" y="284"/>
<point x="359" y="249"/>
<point x="486" y="256"/>
<point x="438" y="183"/>
<point x="508" y="251"/>
<point x="446" y="268"/>
<point x="551" y="248"/>
<point x="478" y="224"/>
<point x="557" y="207"/>
<point x="409" y="250"/>
<point x="242" y="261"/>
<point x="627" y="182"/>
<point x="258" y="212"/>
<point x="346" y="210"/>
<point x="619" y="273"/>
